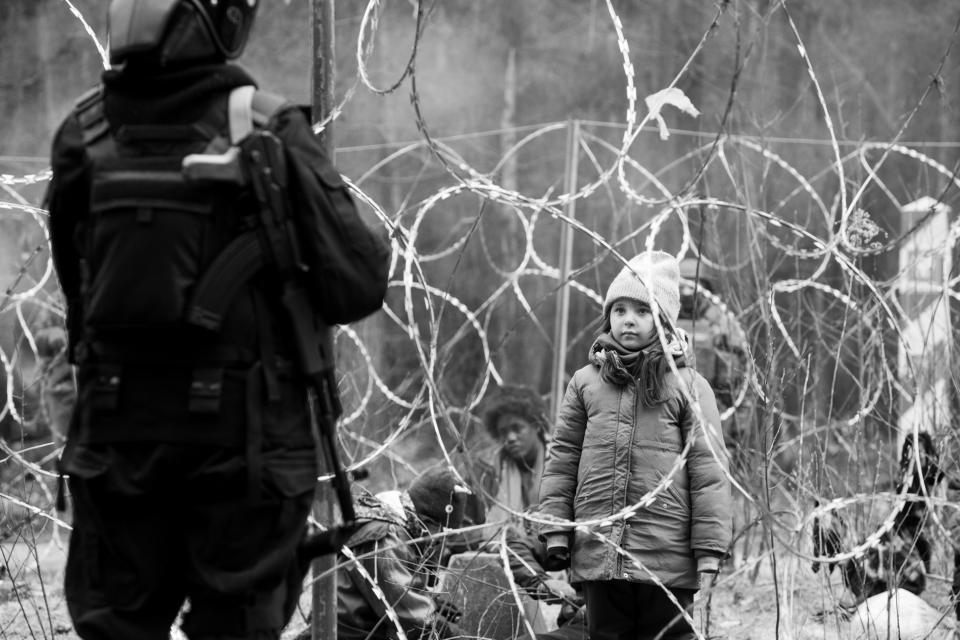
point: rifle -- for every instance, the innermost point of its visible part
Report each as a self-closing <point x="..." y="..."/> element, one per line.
<point x="259" y="161"/>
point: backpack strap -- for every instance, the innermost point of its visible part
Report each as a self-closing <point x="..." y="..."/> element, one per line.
<point x="241" y="115"/>
<point x="90" y="111"/>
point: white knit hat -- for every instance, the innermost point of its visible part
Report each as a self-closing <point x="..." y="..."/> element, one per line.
<point x="660" y="271"/>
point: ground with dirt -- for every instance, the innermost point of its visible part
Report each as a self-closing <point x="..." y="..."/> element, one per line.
<point x="744" y="605"/>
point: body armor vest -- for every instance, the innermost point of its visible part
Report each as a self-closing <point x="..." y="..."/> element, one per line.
<point x="152" y="234"/>
<point x="146" y="372"/>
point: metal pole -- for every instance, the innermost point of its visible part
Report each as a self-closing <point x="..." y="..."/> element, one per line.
<point x="324" y="80"/>
<point x="566" y="258"/>
<point x="324" y="589"/>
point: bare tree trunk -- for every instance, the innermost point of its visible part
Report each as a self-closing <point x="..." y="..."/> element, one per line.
<point x="510" y="240"/>
<point x="508" y="174"/>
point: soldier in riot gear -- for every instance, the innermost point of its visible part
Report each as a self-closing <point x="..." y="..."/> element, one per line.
<point x="191" y="457"/>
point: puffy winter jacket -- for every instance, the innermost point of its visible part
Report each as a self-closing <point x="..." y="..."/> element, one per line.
<point x="608" y="451"/>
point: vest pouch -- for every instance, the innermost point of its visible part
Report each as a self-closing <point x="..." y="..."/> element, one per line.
<point x="105" y="395"/>
<point x="160" y="403"/>
<point x="286" y="421"/>
<point x="205" y="390"/>
<point x="145" y="252"/>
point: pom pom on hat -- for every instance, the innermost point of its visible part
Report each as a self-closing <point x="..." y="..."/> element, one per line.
<point x="660" y="271"/>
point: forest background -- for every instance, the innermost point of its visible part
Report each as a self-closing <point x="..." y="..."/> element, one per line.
<point x="817" y="122"/>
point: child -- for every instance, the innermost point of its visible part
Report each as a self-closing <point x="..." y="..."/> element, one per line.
<point x="624" y="419"/>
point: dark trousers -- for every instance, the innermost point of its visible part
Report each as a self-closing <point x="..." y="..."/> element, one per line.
<point x="955" y="588"/>
<point x="621" y="610"/>
<point x="137" y="552"/>
<point x="573" y="629"/>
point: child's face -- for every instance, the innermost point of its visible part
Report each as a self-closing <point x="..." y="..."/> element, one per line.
<point x="631" y="323"/>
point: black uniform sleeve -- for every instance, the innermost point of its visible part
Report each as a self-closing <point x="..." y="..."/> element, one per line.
<point x="349" y="261"/>
<point x="67" y="201"/>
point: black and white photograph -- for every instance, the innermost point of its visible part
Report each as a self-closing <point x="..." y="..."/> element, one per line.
<point x="479" y="320"/>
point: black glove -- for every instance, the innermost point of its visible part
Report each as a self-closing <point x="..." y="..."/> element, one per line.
<point x="558" y="558"/>
<point x="448" y="610"/>
<point x="568" y="612"/>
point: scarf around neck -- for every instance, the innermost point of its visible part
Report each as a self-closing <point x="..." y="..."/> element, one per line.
<point x="619" y="365"/>
<point x="147" y="96"/>
<point x="519" y="485"/>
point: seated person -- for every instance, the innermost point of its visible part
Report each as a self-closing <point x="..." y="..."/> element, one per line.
<point x="507" y="473"/>
<point x="389" y="547"/>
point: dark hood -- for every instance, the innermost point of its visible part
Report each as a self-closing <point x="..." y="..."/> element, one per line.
<point x="144" y="94"/>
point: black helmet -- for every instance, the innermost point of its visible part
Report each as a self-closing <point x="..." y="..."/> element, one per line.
<point x="142" y="26"/>
<point x="228" y="22"/>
